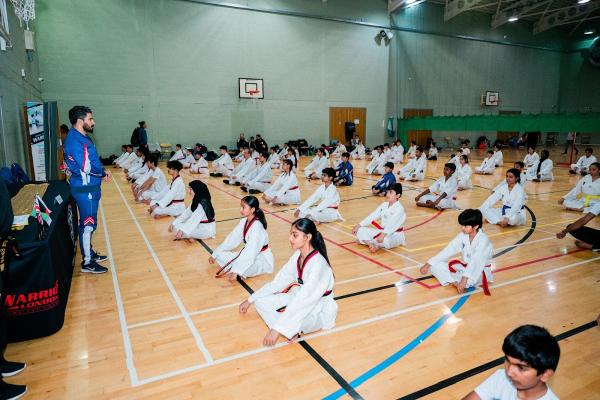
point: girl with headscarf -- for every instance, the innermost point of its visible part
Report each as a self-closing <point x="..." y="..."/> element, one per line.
<point x="198" y="220"/>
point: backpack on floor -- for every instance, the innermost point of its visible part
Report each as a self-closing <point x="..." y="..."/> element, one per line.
<point x="18" y="174"/>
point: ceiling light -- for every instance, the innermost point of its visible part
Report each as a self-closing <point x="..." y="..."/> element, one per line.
<point x="583" y="1"/>
<point x="514" y="17"/>
<point x="589" y="32"/>
<point x="412" y="1"/>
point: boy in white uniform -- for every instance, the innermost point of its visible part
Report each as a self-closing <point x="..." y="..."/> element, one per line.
<point x="465" y="149"/>
<point x="487" y="166"/>
<point x="274" y="161"/>
<point x="531" y="356"/>
<point x="498" y="156"/>
<point x="320" y="162"/>
<point x="124" y="154"/>
<point x="126" y="157"/>
<point x="415" y="168"/>
<point x="463" y="173"/>
<point x="388" y="232"/>
<point x="542" y="171"/>
<point x="359" y="151"/>
<point x="476" y="250"/>
<point x="222" y="165"/>
<point x="531" y="158"/>
<point x="586" y="193"/>
<point x="189" y="158"/>
<point x="200" y="165"/>
<point x="243" y="169"/>
<point x="583" y="163"/>
<point x="171" y="203"/>
<point x="412" y="150"/>
<point x="339" y="150"/>
<point x="178" y="155"/>
<point x="441" y="194"/>
<point x="261" y="177"/>
<point x="397" y="152"/>
<point x="376" y="155"/>
<point x="155" y="186"/>
<point x="328" y="198"/>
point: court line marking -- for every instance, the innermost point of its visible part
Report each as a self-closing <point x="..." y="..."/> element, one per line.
<point x="182" y="309"/>
<point x="354" y="324"/>
<point x="129" y="361"/>
<point x="389" y="361"/>
<point x="517" y="280"/>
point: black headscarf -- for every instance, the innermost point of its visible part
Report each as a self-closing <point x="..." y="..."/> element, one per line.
<point x="202" y="197"/>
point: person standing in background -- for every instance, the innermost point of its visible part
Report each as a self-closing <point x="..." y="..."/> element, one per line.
<point x="570" y="142"/>
<point x="242" y="142"/>
<point x="143" y="135"/>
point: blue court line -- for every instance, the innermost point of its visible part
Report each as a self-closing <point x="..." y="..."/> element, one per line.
<point x="403" y="351"/>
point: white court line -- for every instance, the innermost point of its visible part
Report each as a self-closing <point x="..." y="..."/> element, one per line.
<point x="184" y="313"/>
<point x="121" y="311"/>
<point x="203" y="311"/>
<point x="354" y="324"/>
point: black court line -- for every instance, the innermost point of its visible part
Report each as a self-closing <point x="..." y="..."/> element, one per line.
<point x="309" y="349"/>
<point x="422" y="278"/>
<point x="403" y="185"/>
<point x="484" y="367"/>
<point x="292" y="209"/>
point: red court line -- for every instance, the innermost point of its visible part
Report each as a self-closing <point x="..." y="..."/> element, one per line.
<point x="524" y="263"/>
<point x="426" y="221"/>
<point x="378" y="263"/>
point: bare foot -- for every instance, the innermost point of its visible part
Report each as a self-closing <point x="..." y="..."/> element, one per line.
<point x="373" y="248"/>
<point x="424" y="269"/>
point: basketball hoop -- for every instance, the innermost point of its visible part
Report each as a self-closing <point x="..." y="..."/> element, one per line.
<point x="24" y="10"/>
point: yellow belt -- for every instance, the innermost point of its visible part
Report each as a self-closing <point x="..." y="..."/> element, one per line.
<point x="589" y="197"/>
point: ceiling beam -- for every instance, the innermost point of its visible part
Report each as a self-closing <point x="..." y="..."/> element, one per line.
<point x="566" y="16"/>
<point x="521" y="7"/>
<point x="393" y="5"/>
<point x="455" y="7"/>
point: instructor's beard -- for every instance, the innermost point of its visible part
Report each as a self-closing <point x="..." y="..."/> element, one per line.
<point x="87" y="128"/>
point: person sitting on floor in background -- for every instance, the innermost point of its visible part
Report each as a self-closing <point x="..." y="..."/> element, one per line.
<point x="440" y="194"/>
<point x="222" y="165"/>
<point x="587" y="238"/>
<point x="198" y="220"/>
<point x="386" y="181"/>
<point x="388" y="232"/>
<point x="582" y="165"/>
<point x="178" y="155"/>
<point x="171" y="202"/>
<point x="487" y="165"/>
<point x="344" y="171"/>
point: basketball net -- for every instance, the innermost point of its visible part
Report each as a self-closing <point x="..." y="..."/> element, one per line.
<point x="24" y="10"/>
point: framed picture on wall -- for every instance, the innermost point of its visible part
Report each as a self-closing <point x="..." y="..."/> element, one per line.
<point x="251" y="88"/>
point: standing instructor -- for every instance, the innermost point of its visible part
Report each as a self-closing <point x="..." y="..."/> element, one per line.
<point x="86" y="174"/>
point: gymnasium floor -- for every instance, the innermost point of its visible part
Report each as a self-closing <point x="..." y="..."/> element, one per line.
<point x="158" y="325"/>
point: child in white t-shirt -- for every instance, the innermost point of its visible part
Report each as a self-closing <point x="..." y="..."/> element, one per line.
<point x="531" y="357"/>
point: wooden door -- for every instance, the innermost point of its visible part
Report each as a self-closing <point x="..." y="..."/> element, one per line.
<point x="420" y="137"/>
<point x="338" y="116"/>
<point x="506" y="136"/>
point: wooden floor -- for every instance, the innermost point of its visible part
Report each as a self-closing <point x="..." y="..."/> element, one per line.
<point x="159" y="326"/>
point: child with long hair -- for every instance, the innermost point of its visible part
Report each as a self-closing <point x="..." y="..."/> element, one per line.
<point x="300" y="297"/>
<point x="542" y="171"/>
<point x="463" y="173"/>
<point x="255" y="258"/>
<point x="198" y="220"/>
<point x="285" y="189"/>
<point x="513" y="198"/>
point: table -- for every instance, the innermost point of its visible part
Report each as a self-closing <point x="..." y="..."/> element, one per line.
<point x="37" y="284"/>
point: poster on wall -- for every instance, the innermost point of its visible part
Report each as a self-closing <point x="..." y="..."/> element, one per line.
<point x="35" y="127"/>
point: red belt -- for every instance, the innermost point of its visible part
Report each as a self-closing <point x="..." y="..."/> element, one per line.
<point x="334" y="207"/>
<point x="293" y="188"/>
<point x="206" y="221"/>
<point x="220" y="272"/>
<point x="376" y="225"/>
<point x="174" y="201"/>
<point x="484" y="281"/>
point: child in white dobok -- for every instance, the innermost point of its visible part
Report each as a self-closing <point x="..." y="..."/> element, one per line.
<point x="285" y="189"/>
<point x="300" y="297"/>
<point x="317" y="165"/>
<point x="584" y="162"/>
<point x="200" y="165"/>
<point x="388" y="232"/>
<point x="488" y="165"/>
<point x="441" y="194"/>
<point x="586" y="193"/>
<point x="463" y="173"/>
<point x="415" y="168"/>
<point x="513" y="198"/>
<point x="542" y="170"/>
<point x="260" y="179"/>
<point x="255" y="258"/>
<point x="222" y="165"/>
<point x="198" y="220"/>
<point x="328" y="198"/>
<point x="359" y="151"/>
<point x="476" y="250"/>
<point x="170" y="203"/>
